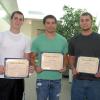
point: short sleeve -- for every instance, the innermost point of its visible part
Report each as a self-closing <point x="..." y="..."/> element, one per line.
<point x="65" y="50"/>
<point x="34" y="46"/>
<point x="71" y="48"/>
<point x="1" y="37"/>
<point x="28" y="46"/>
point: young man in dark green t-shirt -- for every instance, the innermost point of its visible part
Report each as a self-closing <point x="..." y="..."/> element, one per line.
<point x="48" y="83"/>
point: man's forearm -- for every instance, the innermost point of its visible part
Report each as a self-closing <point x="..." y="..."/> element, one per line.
<point x="32" y="59"/>
<point x="72" y="61"/>
<point x="66" y="62"/>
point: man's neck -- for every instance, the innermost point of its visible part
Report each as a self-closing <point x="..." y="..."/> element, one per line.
<point x="15" y="31"/>
<point x="86" y="33"/>
<point x="50" y="35"/>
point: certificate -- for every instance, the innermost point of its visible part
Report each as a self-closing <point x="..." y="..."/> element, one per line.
<point x="52" y="61"/>
<point x="16" y="68"/>
<point x="87" y="65"/>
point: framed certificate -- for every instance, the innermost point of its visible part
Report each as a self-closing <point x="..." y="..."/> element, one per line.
<point x="16" y="68"/>
<point x="87" y="65"/>
<point x="52" y="61"/>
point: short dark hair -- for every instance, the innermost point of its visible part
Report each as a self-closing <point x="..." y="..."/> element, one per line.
<point x="49" y="16"/>
<point x="87" y="14"/>
<point x="17" y="12"/>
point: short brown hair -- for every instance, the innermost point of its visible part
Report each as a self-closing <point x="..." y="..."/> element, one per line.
<point x="87" y="14"/>
<point x="17" y="12"/>
<point x="49" y="16"/>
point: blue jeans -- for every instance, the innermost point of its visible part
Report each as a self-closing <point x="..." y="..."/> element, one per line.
<point x="48" y="89"/>
<point x="85" y="90"/>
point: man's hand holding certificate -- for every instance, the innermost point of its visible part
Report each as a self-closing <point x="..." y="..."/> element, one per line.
<point x="16" y="68"/>
<point x="87" y="65"/>
<point x="52" y="61"/>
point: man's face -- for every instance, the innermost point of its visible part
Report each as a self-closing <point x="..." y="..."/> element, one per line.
<point x="17" y="21"/>
<point x="50" y="25"/>
<point x="85" y="23"/>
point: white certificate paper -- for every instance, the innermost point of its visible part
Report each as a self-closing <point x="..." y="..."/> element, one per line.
<point x="52" y="61"/>
<point x="16" y="68"/>
<point x="87" y="65"/>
